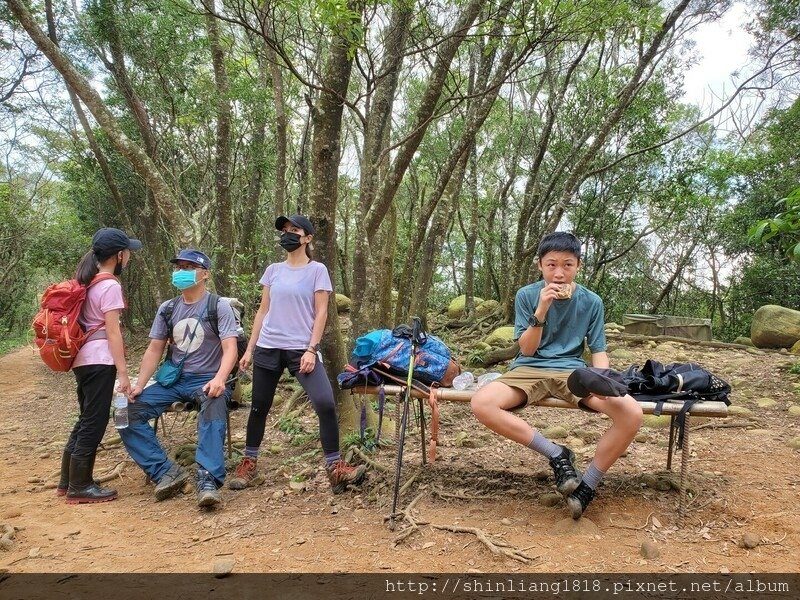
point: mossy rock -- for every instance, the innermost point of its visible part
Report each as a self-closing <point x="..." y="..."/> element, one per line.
<point x="455" y="309"/>
<point x="343" y="303"/>
<point x="622" y="354"/>
<point x="557" y="432"/>
<point x="551" y="499"/>
<point x="740" y="411"/>
<point x="794" y="411"/>
<point x="502" y="336"/>
<point x="656" y="422"/>
<point x="775" y="326"/>
<point x="486" y="307"/>
<point x="794" y="443"/>
<point x="765" y="402"/>
<point x="745" y="341"/>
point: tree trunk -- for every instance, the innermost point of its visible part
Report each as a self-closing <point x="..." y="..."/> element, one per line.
<point x="374" y="214"/>
<point x="432" y="248"/>
<point x="251" y="210"/>
<point x="326" y="117"/>
<point x="222" y="161"/>
<point x="141" y="163"/>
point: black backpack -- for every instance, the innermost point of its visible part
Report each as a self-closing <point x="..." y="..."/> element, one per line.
<point x="213" y="318"/>
<point x="688" y="382"/>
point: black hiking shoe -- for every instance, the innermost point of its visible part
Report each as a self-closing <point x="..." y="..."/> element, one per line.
<point x="579" y="500"/>
<point x="567" y="476"/>
<point x="207" y="493"/>
<point x="171" y="483"/>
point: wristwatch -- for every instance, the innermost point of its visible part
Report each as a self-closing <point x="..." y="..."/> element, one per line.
<point x="534" y="322"/>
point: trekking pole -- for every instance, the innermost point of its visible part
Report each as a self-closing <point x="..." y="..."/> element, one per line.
<point x="416" y="341"/>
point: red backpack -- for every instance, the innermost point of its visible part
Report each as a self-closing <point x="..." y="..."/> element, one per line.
<point x="59" y="335"/>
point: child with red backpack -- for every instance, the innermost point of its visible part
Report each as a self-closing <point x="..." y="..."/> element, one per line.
<point x="100" y="360"/>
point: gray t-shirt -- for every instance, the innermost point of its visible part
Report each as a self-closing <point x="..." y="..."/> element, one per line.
<point x="569" y="322"/>
<point x="204" y="349"/>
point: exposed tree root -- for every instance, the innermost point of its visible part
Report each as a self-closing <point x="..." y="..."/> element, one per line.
<point x="374" y="464"/>
<point x="495" y="545"/>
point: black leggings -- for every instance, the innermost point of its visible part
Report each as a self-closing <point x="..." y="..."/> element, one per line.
<point x="315" y="384"/>
<point x="95" y="390"/>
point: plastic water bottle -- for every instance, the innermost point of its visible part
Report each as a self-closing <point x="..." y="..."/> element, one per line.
<point x="463" y="381"/>
<point x="487" y="378"/>
<point x="120" y="411"/>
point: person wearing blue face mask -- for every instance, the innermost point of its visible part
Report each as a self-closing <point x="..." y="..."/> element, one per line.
<point x="199" y="360"/>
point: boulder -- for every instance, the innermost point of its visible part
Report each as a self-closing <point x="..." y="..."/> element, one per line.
<point x="795" y="349"/>
<point x="342" y="303"/>
<point x="502" y="336"/>
<point x="775" y="327"/>
<point x="745" y="341"/>
<point x="486" y="307"/>
<point x="456" y="308"/>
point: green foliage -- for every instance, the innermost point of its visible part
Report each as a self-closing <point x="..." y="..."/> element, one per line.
<point x="795" y="368"/>
<point x="290" y="424"/>
<point x="785" y="226"/>
<point x="353" y="440"/>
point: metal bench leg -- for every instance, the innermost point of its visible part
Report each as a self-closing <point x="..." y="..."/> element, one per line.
<point x="399" y="464"/>
<point x="684" y="473"/>
<point x="671" y="442"/>
<point x="422" y="431"/>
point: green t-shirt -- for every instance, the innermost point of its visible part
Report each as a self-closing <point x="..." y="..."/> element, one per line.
<point x="569" y="322"/>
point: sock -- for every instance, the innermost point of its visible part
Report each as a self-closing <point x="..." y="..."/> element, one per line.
<point x="593" y="476"/>
<point x="332" y="458"/>
<point x="251" y="452"/>
<point x="544" y="446"/>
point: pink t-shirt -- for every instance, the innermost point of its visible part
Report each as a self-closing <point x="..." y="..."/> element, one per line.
<point x="102" y="297"/>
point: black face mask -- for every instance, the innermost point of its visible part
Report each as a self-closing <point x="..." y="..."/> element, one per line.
<point x="290" y="241"/>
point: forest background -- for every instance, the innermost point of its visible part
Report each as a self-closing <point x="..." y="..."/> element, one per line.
<point x="432" y="143"/>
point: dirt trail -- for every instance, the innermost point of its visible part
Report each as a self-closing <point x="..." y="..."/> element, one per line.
<point x="744" y="475"/>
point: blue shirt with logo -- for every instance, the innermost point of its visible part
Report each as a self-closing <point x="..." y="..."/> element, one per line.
<point x="568" y="323"/>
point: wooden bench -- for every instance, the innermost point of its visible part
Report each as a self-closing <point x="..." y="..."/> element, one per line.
<point x="701" y="409"/>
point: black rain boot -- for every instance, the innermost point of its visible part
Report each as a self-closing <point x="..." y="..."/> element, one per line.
<point x="82" y="488"/>
<point x="63" y="482"/>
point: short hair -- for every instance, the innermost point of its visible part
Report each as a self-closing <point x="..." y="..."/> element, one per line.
<point x="559" y="241"/>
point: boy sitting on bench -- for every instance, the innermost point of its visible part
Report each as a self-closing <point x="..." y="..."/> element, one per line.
<point x="553" y="316"/>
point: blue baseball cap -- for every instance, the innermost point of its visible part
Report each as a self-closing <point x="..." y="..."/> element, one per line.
<point x="193" y="256"/>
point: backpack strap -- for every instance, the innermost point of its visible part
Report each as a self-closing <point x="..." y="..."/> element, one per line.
<point x="213" y="317"/>
<point x="166" y="314"/>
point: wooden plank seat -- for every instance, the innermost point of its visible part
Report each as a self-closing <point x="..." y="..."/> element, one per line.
<point x="671" y="408"/>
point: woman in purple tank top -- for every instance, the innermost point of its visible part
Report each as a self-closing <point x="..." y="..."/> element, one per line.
<point x="287" y="329"/>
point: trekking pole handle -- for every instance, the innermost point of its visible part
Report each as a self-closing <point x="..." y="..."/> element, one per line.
<point x="416" y="331"/>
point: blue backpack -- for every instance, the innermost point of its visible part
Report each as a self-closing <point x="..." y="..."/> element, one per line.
<point x="388" y="347"/>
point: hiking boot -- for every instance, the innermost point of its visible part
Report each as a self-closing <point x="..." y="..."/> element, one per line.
<point x="567" y="476"/>
<point x="171" y="483"/>
<point x="82" y="489"/>
<point x="342" y="474"/>
<point x="579" y="500"/>
<point x="207" y="493"/>
<point x="246" y="475"/>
